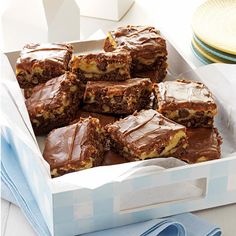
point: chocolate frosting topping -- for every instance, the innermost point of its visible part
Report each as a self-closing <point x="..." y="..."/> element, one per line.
<point x="70" y="144"/>
<point x="190" y="93"/>
<point x="46" y="94"/>
<point x="59" y="145"/>
<point x="204" y="145"/>
<point x="35" y="53"/>
<point x="140" y="40"/>
<point x="183" y="90"/>
<point x="145" y="127"/>
<point x="54" y="51"/>
<point x="112" y="158"/>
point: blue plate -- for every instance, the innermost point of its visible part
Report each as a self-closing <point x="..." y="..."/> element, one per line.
<point x="208" y="55"/>
<point x="214" y="51"/>
<point x="199" y="56"/>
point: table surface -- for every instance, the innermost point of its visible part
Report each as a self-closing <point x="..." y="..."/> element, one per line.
<point x="174" y="19"/>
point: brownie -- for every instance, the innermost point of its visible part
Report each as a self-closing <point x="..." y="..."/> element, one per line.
<point x="147" y="134"/>
<point x="146" y="46"/>
<point x="40" y="62"/>
<point x="122" y="97"/>
<point x="108" y="66"/>
<point x="54" y="103"/>
<point x="186" y="102"/>
<point x="75" y="147"/>
<point x="204" y="145"/>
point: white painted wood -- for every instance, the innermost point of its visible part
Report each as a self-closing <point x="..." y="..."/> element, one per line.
<point x="5" y="207"/>
<point x="17" y="223"/>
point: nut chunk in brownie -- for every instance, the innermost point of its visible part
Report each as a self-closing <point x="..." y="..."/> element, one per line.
<point x="75" y="147"/>
<point x="54" y="103"/>
<point x="147" y="134"/>
<point x="146" y="46"/>
<point x="186" y="102"/>
<point x="204" y="145"/>
<point x="109" y="66"/>
<point x="123" y="97"/>
<point x="40" y="62"/>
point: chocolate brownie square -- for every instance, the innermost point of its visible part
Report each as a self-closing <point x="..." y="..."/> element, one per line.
<point x="40" y="62"/>
<point x="147" y="49"/>
<point x="75" y="147"/>
<point x="54" y="103"/>
<point x="186" y="102"/>
<point x="122" y="97"/>
<point x="108" y="66"/>
<point x="147" y="134"/>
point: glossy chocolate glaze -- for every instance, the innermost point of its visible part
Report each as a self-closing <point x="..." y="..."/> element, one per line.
<point x="184" y="93"/>
<point x="204" y="145"/>
<point x="50" y="93"/>
<point x="140" y="41"/>
<point x="74" y="144"/>
<point x="54" y="103"/>
<point x="32" y="53"/>
<point x="59" y="145"/>
<point x="111" y="158"/>
<point x="144" y="129"/>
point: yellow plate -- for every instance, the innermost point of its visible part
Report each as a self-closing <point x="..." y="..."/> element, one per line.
<point x="214" y="22"/>
<point x="207" y="55"/>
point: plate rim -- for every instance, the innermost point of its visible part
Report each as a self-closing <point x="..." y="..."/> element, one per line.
<point x="214" y="51"/>
<point x="208" y="55"/>
<point x="217" y="46"/>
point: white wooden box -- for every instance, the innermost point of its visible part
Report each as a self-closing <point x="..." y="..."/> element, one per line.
<point x="86" y="201"/>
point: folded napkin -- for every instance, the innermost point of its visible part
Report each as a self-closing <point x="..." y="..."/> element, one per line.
<point x="16" y="190"/>
<point x="160" y="227"/>
<point x="178" y="225"/>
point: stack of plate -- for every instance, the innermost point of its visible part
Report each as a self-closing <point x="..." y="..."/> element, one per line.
<point x="214" y="28"/>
